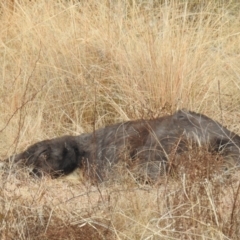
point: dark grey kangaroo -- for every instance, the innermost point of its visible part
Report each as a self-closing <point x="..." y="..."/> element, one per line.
<point x="147" y="142"/>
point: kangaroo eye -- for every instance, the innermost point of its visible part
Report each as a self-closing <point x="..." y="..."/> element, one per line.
<point x="43" y="156"/>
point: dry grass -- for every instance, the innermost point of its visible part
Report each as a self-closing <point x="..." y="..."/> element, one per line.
<point x="68" y="67"/>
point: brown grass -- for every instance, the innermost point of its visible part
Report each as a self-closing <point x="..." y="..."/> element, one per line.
<point x="68" y="67"/>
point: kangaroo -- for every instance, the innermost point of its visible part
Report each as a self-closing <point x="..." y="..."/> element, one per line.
<point x="147" y="142"/>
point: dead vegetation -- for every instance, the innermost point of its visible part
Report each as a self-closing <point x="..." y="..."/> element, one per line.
<point x="200" y="201"/>
<point x="69" y="67"/>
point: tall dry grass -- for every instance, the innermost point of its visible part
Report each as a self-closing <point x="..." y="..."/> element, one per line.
<point x="68" y="67"/>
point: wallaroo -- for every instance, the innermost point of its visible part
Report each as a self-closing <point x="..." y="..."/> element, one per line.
<point x="143" y="142"/>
